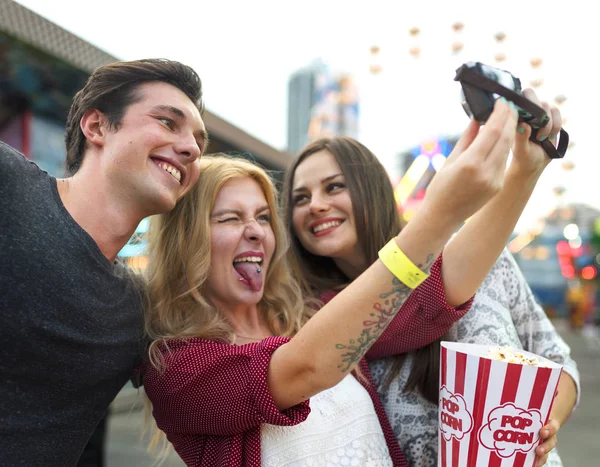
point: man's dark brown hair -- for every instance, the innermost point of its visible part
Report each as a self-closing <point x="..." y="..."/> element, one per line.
<point x="114" y="87"/>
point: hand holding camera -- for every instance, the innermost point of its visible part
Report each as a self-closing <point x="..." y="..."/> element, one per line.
<point x="530" y="156"/>
<point x="475" y="170"/>
<point x="482" y="85"/>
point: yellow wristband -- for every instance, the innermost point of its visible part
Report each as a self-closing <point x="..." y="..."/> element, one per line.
<point x="400" y="266"/>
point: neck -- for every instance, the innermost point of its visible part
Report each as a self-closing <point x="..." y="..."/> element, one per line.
<point x="106" y="220"/>
<point x="246" y="322"/>
<point x="352" y="267"/>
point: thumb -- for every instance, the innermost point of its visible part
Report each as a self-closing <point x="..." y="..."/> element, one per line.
<point x="465" y="140"/>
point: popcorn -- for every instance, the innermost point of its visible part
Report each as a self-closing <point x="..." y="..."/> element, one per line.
<point x="506" y="354"/>
<point x="493" y="402"/>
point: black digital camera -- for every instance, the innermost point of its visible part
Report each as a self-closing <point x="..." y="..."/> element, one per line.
<point x="483" y="84"/>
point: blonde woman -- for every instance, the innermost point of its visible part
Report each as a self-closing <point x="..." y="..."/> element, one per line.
<point x="236" y="366"/>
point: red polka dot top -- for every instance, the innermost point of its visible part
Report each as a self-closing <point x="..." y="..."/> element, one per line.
<point x="212" y="397"/>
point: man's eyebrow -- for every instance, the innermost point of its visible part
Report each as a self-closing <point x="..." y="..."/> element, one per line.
<point x="171" y="109"/>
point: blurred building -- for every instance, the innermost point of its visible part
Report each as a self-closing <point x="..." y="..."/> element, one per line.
<point x="321" y="103"/>
<point x="42" y="66"/>
<point x="301" y="98"/>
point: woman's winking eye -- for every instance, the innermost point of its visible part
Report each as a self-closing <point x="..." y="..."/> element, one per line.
<point x="228" y="219"/>
<point x="262" y="218"/>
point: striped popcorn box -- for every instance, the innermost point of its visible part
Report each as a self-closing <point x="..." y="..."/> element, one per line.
<point x="491" y="411"/>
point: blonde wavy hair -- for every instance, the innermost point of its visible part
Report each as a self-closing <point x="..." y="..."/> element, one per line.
<point x="179" y="249"/>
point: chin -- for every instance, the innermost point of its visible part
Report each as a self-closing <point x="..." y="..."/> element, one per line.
<point x="254" y="298"/>
<point x="162" y="204"/>
<point x="334" y="250"/>
<point x="247" y="296"/>
<point x="257" y="296"/>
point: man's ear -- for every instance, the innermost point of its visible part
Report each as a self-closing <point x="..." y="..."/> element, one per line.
<point x="94" y="128"/>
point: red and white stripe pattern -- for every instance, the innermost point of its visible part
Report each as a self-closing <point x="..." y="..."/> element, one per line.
<point x="507" y="402"/>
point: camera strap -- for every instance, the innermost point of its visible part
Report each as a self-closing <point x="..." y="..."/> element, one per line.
<point x="468" y="76"/>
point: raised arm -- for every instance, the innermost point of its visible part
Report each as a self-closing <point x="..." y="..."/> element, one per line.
<point x="473" y="251"/>
<point x="425" y="317"/>
<point x="332" y="343"/>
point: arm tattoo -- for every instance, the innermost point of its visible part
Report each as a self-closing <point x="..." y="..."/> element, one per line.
<point x="380" y="319"/>
<point x="428" y="263"/>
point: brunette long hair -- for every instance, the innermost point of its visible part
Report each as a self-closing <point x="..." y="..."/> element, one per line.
<point x="377" y="221"/>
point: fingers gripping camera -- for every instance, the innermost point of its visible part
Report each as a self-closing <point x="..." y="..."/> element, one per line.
<point x="483" y="84"/>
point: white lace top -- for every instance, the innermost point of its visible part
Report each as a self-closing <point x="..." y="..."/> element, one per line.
<point x="342" y="429"/>
<point x="504" y="313"/>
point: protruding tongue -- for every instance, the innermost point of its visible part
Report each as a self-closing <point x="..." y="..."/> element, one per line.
<point x="249" y="272"/>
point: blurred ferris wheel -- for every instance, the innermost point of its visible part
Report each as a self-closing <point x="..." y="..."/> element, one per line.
<point x="455" y="45"/>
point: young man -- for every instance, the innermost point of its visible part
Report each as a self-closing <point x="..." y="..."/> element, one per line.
<point x="72" y="321"/>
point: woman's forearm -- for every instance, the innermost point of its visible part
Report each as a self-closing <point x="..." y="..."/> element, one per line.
<point x="332" y="343"/>
<point x="565" y="399"/>
<point x="472" y="252"/>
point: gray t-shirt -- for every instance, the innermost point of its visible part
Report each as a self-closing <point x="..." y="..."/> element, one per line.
<point x="72" y="323"/>
<point x="505" y="313"/>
